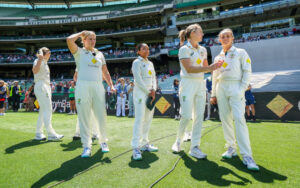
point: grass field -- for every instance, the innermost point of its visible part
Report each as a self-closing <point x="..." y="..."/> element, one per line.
<point x="28" y="163"/>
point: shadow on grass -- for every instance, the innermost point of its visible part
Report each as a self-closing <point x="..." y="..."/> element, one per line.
<point x="148" y="158"/>
<point x="263" y="175"/>
<point x="73" y="145"/>
<point x="211" y="172"/>
<point x="70" y="168"/>
<point x="25" y="144"/>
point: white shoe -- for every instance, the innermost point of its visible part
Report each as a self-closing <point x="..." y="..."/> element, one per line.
<point x="104" y="147"/>
<point x="40" y="137"/>
<point x="176" y="147"/>
<point x="250" y="163"/>
<point x="187" y="136"/>
<point x="86" y="153"/>
<point x="207" y="118"/>
<point x="197" y="153"/>
<point x="136" y="154"/>
<point x="231" y="152"/>
<point x="56" y="137"/>
<point x="149" y="148"/>
<point x="175" y="117"/>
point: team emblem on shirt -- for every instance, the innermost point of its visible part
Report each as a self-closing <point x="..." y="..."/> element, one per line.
<point x="248" y="61"/>
<point x="150" y="72"/>
<point x="198" y="61"/>
<point x="192" y="53"/>
<point x="94" y="61"/>
<point x="225" y="65"/>
<point x="140" y="101"/>
<point x="202" y="53"/>
<point x="232" y="56"/>
<point x="78" y="101"/>
<point x="183" y="98"/>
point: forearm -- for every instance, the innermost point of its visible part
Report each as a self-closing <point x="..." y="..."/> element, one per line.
<point x="36" y="68"/>
<point x="197" y="69"/>
<point x="108" y="79"/>
<point x="73" y="37"/>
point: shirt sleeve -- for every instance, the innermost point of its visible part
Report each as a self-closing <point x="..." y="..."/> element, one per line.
<point x="184" y="53"/>
<point x="246" y="70"/>
<point x="136" y="70"/>
<point x="205" y="53"/>
<point x="35" y="62"/>
<point x="77" y="55"/>
<point x="103" y="59"/>
<point x="154" y="83"/>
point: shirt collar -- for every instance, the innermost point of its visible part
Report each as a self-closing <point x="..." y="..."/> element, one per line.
<point x="232" y="49"/>
<point x="142" y="59"/>
<point x="192" y="47"/>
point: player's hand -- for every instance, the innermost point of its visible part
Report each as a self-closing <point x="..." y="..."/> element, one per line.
<point x="152" y="94"/>
<point x="40" y="56"/>
<point x="213" y="100"/>
<point x="113" y="90"/>
<point x="216" y="65"/>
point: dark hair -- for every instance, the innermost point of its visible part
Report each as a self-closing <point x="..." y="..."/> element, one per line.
<point x="139" y="46"/>
<point x="174" y="81"/>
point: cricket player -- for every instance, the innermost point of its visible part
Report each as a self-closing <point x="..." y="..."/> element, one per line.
<point x="144" y="86"/>
<point x="43" y="94"/>
<point x="192" y="89"/>
<point x="228" y="90"/>
<point x="90" y="93"/>
<point x="121" y="97"/>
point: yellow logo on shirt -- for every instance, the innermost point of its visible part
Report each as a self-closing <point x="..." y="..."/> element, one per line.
<point x="150" y="73"/>
<point x="225" y="65"/>
<point x="249" y="61"/>
<point x="94" y="60"/>
<point x="198" y="61"/>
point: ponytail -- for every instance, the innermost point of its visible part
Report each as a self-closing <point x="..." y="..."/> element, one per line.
<point x="182" y="37"/>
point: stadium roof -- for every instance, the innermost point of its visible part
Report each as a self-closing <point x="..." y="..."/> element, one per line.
<point x="68" y="3"/>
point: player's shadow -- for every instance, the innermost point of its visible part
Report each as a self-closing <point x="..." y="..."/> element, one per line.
<point x="148" y="158"/>
<point x="70" y="168"/>
<point x="211" y="172"/>
<point x="25" y="144"/>
<point x="73" y="145"/>
<point x="263" y="175"/>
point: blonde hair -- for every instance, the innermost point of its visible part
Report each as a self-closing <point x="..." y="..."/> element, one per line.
<point x="86" y="34"/>
<point x="43" y="50"/>
<point x="226" y="30"/>
<point x="186" y="33"/>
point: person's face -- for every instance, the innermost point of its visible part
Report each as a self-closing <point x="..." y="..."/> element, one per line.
<point x="89" y="41"/>
<point x="144" y="51"/>
<point x="122" y="82"/>
<point x="197" y="35"/>
<point x="226" y="39"/>
<point x="176" y="82"/>
<point x="47" y="55"/>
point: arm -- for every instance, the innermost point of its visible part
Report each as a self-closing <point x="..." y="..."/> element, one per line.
<point x="71" y="42"/>
<point x="75" y="76"/>
<point x="246" y="71"/>
<point x="107" y="77"/>
<point x="187" y="64"/>
<point x="37" y="64"/>
<point x="138" y="78"/>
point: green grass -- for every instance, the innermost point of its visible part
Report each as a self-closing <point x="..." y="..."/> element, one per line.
<point x="28" y="163"/>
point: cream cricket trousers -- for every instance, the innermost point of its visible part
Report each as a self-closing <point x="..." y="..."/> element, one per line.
<point x="90" y="96"/>
<point x="143" y="119"/>
<point x="192" y="97"/>
<point x="231" y="103"/>
<point x="95" y="128"/>
<point x="43" y="94"/>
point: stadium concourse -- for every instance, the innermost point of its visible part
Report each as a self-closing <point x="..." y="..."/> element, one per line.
<point x="268" y="30"/>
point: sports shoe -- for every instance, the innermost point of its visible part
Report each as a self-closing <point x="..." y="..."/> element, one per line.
<point x="40" y="137"/>
<point x="187" y="136"/>
<point x="149" y="148"/>
<point x="176" y="147"/>
<point x="136" y="155"/>
<point x="86" y="153"/>
<point x="249" y="162"/>
<point x="231" y="152"/>
<point x="207" y="118"/>
<point x="104" y="147"/>
<point x="56" y="137"/>
<point x="197" y="153"/>
<point x="95" y="137"/>
<point x="70" y="113"/>
<point x="76" y="137"/>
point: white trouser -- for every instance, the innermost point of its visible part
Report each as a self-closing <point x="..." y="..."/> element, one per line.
<point x="192" y="105"/>
<point x="42" y="92"/>
<point x="131" y="105"/>
<point x="231" y="103"/>
<point x="121" y="105"/>
<point x="143" y="119"/>
<point x="208" y="104"/>
<point x="90" y="96"/>
<point x="95" y="128"/>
